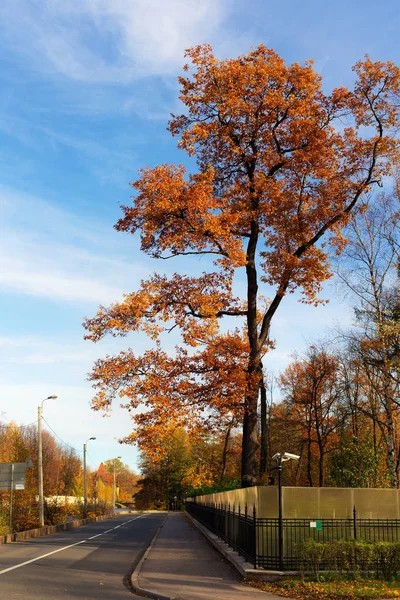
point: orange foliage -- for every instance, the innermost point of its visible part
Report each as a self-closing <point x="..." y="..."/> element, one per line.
<point x="275" y="175"/>
<point x="312" y="404"/>
<point x="199" y="392"/>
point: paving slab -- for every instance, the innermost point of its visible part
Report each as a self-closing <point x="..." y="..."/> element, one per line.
<point x="183" y="565"/>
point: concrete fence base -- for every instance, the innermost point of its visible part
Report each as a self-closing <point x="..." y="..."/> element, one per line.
<point x="49" y="529"/>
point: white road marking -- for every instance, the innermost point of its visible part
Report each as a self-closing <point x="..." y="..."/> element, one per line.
<point x="126" y="522"/>
<point x="28" y="562"/>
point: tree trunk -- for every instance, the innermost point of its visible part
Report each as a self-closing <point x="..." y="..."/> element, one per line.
<point x="309" y="458"/>
<point x="264" y="429"/>
<point x="225" y="451"/>
<point x="321" y="468"/>
<point x="250" y="434"/>
<point x="254" y="371"/>
<point x="391" y="458"/>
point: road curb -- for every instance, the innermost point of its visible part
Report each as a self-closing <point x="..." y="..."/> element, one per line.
<point x="51" y="529"/>
<point x="135" y="575"/>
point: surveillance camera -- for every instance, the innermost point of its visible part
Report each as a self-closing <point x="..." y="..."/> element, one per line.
<point x="288" y="456"/>
<point x="276" y="456"/>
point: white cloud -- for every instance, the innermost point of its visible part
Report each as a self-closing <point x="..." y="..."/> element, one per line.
<point x="49" y="252"/>
<point x="25" y="277"/>
<point x="115" y="42"/>
<point x="68" y="351"/>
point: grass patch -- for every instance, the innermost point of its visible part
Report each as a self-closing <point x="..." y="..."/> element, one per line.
<point x="330" y="590"/>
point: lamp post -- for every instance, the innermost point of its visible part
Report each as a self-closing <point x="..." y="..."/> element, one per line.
<point x="280" y="458"/>
<point x="113" y="490"/>
<point x="40" y="459"/>
<point x="85" y="478"/>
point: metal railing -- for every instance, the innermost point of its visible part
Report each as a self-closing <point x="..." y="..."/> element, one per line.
<point x="257" y="539"/>
<point x="236" y="528"/>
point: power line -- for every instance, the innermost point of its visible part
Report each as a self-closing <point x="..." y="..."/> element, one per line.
<point x="54" y="433"/>
<point x="93" y="463"/>
<point x="61" y="440"/>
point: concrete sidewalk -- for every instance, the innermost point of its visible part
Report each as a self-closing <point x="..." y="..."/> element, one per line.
<point x="183" y="565"/>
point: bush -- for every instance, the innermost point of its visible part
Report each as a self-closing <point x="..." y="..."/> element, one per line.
<point x="25" y="514"/>
<point x="26" y="522"/>
<point x="340" y="557"/>
<point x="364" y="556"/>
<point x="350" y="558"/>
<point x="99" y="508"/>
<point x="387" y="558"/>
<point x="215" y="488"/>
<point x="311" y="555"/>
<point x="4" y="524"/>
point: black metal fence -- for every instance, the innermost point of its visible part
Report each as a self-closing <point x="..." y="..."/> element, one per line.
<point x="237" y="529"/>
<point x="257" y="539"/>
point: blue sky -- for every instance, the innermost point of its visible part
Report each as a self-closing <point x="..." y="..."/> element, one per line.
<point x="87" y="88"/>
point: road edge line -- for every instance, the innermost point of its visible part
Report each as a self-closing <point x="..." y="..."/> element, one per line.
<point x="136" y="572"/>
<point x="22" y="536"/>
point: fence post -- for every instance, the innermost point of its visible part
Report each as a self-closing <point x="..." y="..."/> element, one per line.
<point x="280" y="517"/>
<point x="255" y="535"/>
<point x="229" y="523"/>
<point x="355" y="522"/>
<point x="234" y="537"/>
<point x="246" y="535"/>
<point x="214" y="515"/>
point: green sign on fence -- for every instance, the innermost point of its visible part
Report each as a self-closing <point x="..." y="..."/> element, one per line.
<point x="318" y="525"/>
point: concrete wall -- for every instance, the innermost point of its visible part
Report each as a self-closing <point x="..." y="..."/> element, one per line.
<point x="312" y="503"/>
<point x="265" y="500"/>
<point x="61" y="500"/>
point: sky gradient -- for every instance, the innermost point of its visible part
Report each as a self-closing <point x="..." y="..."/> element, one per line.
<point x="87" y="89"/>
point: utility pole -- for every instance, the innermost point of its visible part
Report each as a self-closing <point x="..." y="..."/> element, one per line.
<point x="280" y="458"/>
<point x="85" y="478"/>
<point x="113" y="490"/>
<point x="40" y="460"/>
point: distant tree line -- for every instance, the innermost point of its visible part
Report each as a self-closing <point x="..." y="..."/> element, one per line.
<point x="62" y="477"/>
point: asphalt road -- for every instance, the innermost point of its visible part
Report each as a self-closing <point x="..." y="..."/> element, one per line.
<point x="88" y="563"/>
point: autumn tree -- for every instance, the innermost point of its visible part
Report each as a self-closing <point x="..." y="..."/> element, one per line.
<point x="202" y="391"/>
<point x="62" y="469"/>
<point x="276" y="181"/>
<point x="189" y="464"/>
<point x="368" y="270"/>
<point x="125" y="479"/>
<point x="311" y="391"/>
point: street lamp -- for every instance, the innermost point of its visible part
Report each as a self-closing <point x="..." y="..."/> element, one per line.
<point x="113" y="490"/>
<point x="281" y="458"/>
<point x="40" y="459"/>
<point x="85" y="478"/>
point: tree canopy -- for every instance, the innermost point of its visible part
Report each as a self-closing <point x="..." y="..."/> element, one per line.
<point x="281" y="167"/>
